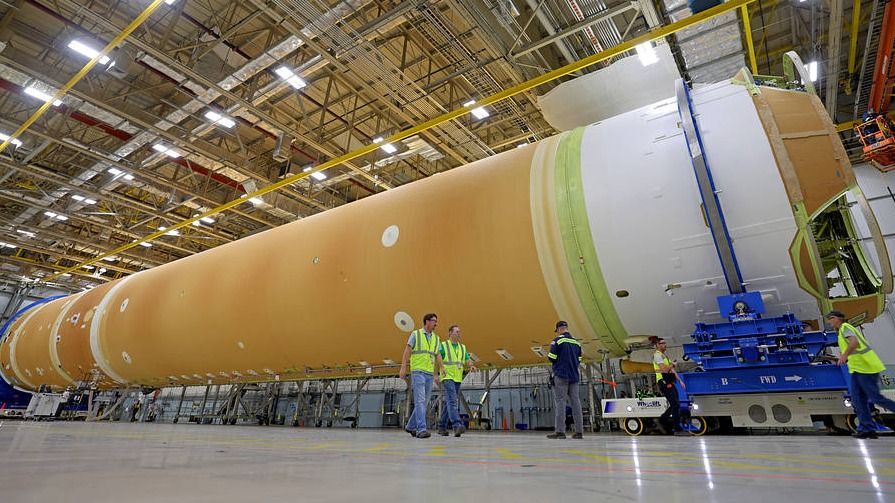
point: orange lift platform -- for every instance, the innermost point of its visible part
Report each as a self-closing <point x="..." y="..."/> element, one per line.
<point x="877" y="132"/>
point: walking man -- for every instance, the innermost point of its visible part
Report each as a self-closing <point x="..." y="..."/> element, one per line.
<point x="666" y="377"/>
<point x="565" y="355"/>
<point x="454" y="358"/>
<point x="864" y="367"/>
<point x="425" y="364"/>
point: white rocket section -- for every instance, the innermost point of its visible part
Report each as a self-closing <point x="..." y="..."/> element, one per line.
<point x="637" y="170"/>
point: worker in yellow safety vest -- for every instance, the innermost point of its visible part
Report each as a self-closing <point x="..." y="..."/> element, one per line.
<point x="425" y="365"/>
<point x="455" y="358"/>
<point x="666" y="377"/>
<point x="864" y="367"/>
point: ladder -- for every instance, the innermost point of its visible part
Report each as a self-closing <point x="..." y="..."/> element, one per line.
<point x="868" y="61"/>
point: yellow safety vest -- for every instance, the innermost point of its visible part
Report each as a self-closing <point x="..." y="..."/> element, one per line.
<point x="453" y="361"/>
<point x="422" y="356"/>
<point x="863" y="360"/>
<point x="666" y="361"/>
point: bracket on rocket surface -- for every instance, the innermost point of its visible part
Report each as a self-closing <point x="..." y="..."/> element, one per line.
<point x="711" y="203"/>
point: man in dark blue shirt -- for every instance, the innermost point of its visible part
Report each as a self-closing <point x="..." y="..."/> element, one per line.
<point x="565" y="355"/>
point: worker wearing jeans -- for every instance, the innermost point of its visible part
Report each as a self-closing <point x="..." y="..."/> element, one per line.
<point x="666" y="377"/>
<point x="454" y="358"/>
<point x="425" y="364"/>
<point x="565" y="355"/>
<point x="864" y="367"/>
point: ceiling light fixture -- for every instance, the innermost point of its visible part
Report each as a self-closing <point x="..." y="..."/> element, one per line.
<point x="217" y="118"/>
<point x="168" y="151"/>
<point x="646" y="53"/>
<point x="86" y="50"/>
<point x="14" y="141"/>
<point x="290" y="77"/>
<point x="812" y="71"/>
<point x="37" y="93"/>
<point x="477" y="112"/>
<point x="317" y="175"/>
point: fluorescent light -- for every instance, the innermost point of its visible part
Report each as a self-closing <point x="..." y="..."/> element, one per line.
<point x="37" y="93"/>
<point x="129" y="177"/>
<point x="102" y="270"/>
<point x="86" y="50"/>
<point x="646" y="53"/>
<point x="77" y="197"/>
<point x="15" y="141"/>
<point x="206" y="220"/>
<point x="256" y="200"/>
<point x="170" y="2"/>
<point x="296" y="82"/>
<point x="62" y="217"/>
<point x="168" y="151"/>
<point x="50" y="214"/>
<point x="307" y="168"/>
<point x="173" y="232"/>
<point x="378" y="139"/>
<point x="290" y="77"/>
<point x="26" y="233"/>
<point x="217" y="118"/>
<point x="115" y="171"/>
<point x="110" y="259"/>
<point x="89" y="201"/>
<point x="318" y="176"/>
<point x="146" y="245"/>
<point x="88" y="267"/>
<point x="9" y="245"/>
<point x="388" y="148"/>
<point x="477" y="112"/>
<point x="521" y="145"/>
<point x="65" y="275"/>
<point x="812" y="71"/>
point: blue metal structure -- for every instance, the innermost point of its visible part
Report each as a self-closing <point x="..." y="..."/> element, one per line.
<point x="750" y="354"/>
<point x="12" y="398"/>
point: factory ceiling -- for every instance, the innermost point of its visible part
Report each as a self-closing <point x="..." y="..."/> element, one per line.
<point x="209" y="100"/>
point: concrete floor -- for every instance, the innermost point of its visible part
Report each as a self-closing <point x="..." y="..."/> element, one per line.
<point x="50" y="462"/>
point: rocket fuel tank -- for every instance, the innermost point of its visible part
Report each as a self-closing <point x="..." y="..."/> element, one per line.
<point x="602" y="226"/>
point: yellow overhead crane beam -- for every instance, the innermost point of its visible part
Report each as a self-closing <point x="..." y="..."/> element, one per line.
<point x="593" y="59"/>
<point x="83" y="71"/>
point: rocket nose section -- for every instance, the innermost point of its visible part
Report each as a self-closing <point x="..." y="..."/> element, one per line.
<point x="828" y="252"/>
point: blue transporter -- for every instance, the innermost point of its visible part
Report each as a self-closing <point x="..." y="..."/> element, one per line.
<point x="751" y="372"/>
<point x="768" y="373"/>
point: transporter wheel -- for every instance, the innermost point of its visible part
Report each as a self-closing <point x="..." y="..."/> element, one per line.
<point x="700" y="425"/>
<point x="633" y="426"/>
<point x="851" y="421"/>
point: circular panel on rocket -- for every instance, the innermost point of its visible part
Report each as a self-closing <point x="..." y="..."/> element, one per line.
<point x="403" y="321"/>
<point x="390" y="236"/>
